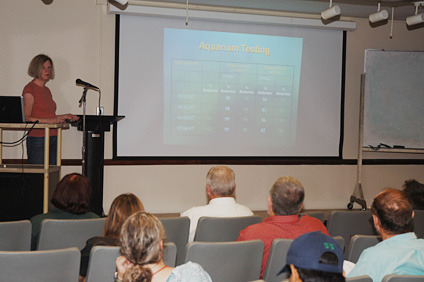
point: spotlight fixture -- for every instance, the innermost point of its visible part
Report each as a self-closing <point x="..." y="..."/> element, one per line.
<point x="379" y="15"/>
<point x="330" y="12"/>
<point x="417" y="18"/>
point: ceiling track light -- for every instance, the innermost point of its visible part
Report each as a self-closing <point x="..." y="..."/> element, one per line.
<point x="379" y="15"/>
<point x="417" y="18"/>
<point x="331" y="12"/>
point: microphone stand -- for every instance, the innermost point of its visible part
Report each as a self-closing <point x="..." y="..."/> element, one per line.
<point x="84" y="141"/>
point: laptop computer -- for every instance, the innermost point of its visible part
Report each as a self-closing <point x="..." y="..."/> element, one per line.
<point x="12" y="109"/>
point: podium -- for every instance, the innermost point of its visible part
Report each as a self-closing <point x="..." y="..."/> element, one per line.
<point x="93" y="169"/>
<point x="27" y="188"/>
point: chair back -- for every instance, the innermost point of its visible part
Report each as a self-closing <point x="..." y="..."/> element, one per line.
<point x="15" y="235"/>
<point x="52" y="265"/>
<point x="228" y="261"/>
<point x="276" y="260"/>
<point x="349" y="223"/>
<point x="176" y="231"/>
<point x="402" y="278"/>
<point x="317" y="215"/>
<point x="170" y="254"/>
<point x="102" y="263"/>
<point x="358" y="243"/>
<point x="340" y="240"/>
<point x="362" y="278"/>
<point x="418" y="223"/>
<point x="222" y="229"/>
<point x="65" y="233"/>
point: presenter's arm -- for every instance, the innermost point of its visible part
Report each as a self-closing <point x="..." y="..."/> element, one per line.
<point x="29" y="102"/>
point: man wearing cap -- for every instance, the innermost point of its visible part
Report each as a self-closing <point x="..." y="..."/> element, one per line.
<point x="400" y="252"/>
<point x="314" y="257"/>
<point x="284" y="204"/>
<point x="220" y="188"/>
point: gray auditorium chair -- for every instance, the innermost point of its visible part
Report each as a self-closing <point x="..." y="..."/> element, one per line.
<point x="15" y="235"/>
<point x="277" y="258"/>
<point x="418" y="223"/>
<point x="228" y="261"/>
<point x="317" y="215"/>
<point x="52" y="265"/>
<point x="358" y="243"/>
<point x="349" y="223"/>
<point x="222" y="229"/>
<point x="65" y="233"/>
<point x="176" y="231"/>
<point x="102" y="263"/>
<point x="402" y="278"/>
<point x="362" y="278"/>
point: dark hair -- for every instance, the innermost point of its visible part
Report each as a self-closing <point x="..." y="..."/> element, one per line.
<point x="394" y="211"/>
<point x="414" y="190"/>
<point x="309" y="275"/>
<point x="122" y="207"/>
<point x="287" y="195"/>
<point x="72" y="194"/>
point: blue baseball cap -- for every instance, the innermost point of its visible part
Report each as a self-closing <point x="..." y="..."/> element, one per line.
<point x="306" y="250"/>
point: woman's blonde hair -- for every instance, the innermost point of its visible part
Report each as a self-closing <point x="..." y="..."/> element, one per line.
<point x="141" y="237"/>
<point x="122" y="207"/>
<point x="36" y="66"/>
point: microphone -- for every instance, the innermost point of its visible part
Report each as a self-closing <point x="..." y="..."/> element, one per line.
<point x="86" y="84"/>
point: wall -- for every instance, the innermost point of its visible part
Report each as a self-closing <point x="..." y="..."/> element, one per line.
<point x="79" y="36"/>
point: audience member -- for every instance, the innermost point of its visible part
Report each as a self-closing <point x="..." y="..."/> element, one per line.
<point x="400" y="252"/>
<point x="284" y="204"/>
<point x="71" y="200"/>
<point x="142" y="247"/>
<point x="315" y="257"/>
<point x="122" y="207"/>
<point x="414" y="190"/>
<point x="220" y="188"/>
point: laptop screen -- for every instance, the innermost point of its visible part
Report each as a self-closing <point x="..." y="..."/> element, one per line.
<point x="12" y="109"/>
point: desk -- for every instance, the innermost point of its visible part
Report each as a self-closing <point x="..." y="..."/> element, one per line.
<point x="45" y="169"/>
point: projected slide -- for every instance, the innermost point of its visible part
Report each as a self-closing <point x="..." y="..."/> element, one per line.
<point x="232" y="86"/>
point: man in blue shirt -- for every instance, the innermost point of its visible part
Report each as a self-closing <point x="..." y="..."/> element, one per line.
<point x="400" y="252"/>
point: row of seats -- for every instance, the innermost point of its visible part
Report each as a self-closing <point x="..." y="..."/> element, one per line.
<point x="224" y="261"/>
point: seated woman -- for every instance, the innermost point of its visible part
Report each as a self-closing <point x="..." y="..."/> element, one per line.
<point x="122" y="207"/>
<point x="71" y="200"/>
<point x="141" y="248"/>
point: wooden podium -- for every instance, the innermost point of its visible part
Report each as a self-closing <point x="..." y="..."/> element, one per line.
<point x="50" y="173"/>
<point x="95" y="127"/>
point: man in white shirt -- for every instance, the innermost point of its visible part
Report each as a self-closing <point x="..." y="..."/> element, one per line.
<point x="220" y="188"/>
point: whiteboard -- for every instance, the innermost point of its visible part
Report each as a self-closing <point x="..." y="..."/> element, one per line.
<point x="394" y="98"/>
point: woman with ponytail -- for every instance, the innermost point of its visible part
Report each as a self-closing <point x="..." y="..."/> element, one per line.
<point x="141" y="244"/>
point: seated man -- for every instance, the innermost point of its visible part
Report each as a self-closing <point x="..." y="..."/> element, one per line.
<point x="400" y="252"/>
<point x="314" y="257"/>
<point x="220" y="188"/>
<point x="284" y="204"/>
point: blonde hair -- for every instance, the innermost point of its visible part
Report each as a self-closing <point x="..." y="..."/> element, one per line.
<point x="36" y="66"/>
<point x="141" y="237"/>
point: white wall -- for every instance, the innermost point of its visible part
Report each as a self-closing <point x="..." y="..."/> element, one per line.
<point x="79" y="36"/>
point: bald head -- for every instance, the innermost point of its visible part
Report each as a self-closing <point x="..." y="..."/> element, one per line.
<point x="221" y="181"/>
